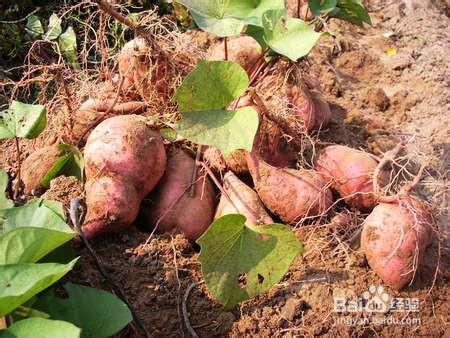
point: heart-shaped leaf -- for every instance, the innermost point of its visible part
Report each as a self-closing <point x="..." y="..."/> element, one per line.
<point x="211" y="85"/>
<point x="54" y="28"/>
<point x="352" y="11"/>
<point x="98" y="313"/>
<point x="29" y="245"/>
<point x="68" y="46"/>
<point x="288" y="36"/>
<point x="321" y="6"/>
<point x="37" y="213"/>
<point x="20" y="282"/>
<point x="34" y="26"/>
<point x="22" y="120"/>
<point x="239" y="262"/>
<point x="246" y="11"/>
<point x="35" y="327"/>
<point x="221" y="27"/>
<point x="226" y="130"/>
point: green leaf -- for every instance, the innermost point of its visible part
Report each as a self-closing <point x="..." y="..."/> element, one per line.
<point x="34" y="26"/>
<point x="37" y="213"/>
<point x="5" y="203"/>
<point x="248" y="11"/>
<point x="352" y="11"/>
<point x="239" y="262"/>
<point x="22" y="120"/>
<point x="68" y="46"/>
<point x="20" y="282"/>
<point x="221" y="27"/>
<point x="98" y="313"/>
<point x="257" y="33"/>
<point x="211" y="85"/>
<point x="70" y="164"/>
<point x="226" y="130"/>
<point x="321" y="6"/>
<point x="54" y="28"/>
<point x="29" y="245"/>
<point x="288" y="36"/>
<point x="35" y="327"/>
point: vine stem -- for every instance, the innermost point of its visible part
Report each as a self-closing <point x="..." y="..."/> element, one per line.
<point x="194" y="171"/>
<point x="76" y="214"/>
<point x="19" y="164"/>
<point x="111" y="11"/>
<point x="225" y="46"/>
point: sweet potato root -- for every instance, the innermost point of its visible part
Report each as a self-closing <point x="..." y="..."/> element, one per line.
<point x="243" y="50"/>
<point x="172" y="209"/>
<point x="94" y="111"/>
<point x="291" y="194"/>
<point x="124" y="160"/>
<point x="37" y="165"/>
<point x="134" y="66"/>
<point x="241" y="200"/>
<point x="350" y="172"/>
<point x="394" y="238"/>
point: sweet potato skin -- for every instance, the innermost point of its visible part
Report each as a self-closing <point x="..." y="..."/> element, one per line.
<point x="350" y="172"/>
<point x="245" y="201"/>
<point x="113" y="205"/>
<point x="291" y="194"/>
<point x="171" y="209"/>
<point x="37" y="165"/>
<point x="127" y="147"/>
<point x="124" y="160"/>
<point x="243" y="50"/>
<point x="394" y="239"/>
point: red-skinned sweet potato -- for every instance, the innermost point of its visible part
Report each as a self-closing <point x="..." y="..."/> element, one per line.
<point x="291" y="194"/>
<point x="394" y="238"/>
<point x="124" y="160"/>
<point x="172" y="209"/>
<point x="350" y="172"/>
<point x="134" y="66"/>
<point x="241" y="199"/>
<point x="243" y="50"/>
<point x="94" y="111"/>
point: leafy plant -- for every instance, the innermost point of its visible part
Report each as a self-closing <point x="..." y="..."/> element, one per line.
<point x="28" y="234"/>
<point x="22" y="120"/>
<point x="239" y="262"/>
<point x="202" y="98"/>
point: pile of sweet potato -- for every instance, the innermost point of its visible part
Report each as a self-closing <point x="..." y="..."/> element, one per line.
<point x="131" y="171"/>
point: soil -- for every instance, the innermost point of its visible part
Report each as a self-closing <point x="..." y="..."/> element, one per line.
<point x="384" y="83"/>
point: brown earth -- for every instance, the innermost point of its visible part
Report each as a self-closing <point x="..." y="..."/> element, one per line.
<point x="377" y="98"/>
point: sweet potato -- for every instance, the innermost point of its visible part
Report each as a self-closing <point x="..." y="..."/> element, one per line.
<point x="291" y="194"/>
<point x="134" y="66"/>
<point x="308" y="107"/>
<point x="241" y="199"/>
<point x="94" y="111"/>
<point x="350" y="172"/>
<point x="172" y="209"/>
<point x="394" y="238"/>
<point x="243" y="50"/>
<point x="37" y="165"/>
<point x="124" y="160"/>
